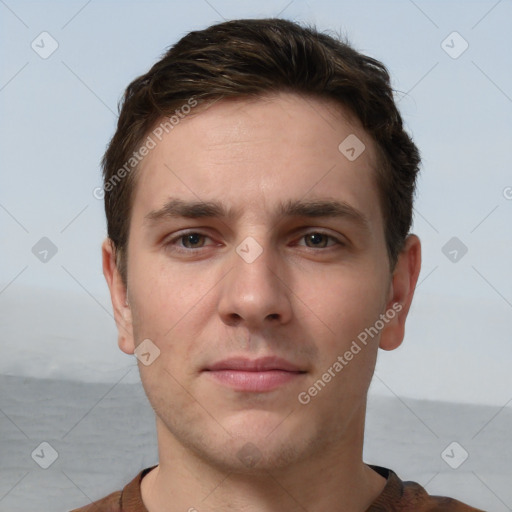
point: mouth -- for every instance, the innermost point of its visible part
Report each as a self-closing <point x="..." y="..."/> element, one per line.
<point x="254" y="375"/>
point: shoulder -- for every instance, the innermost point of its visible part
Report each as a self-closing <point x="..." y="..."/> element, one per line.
<point x="111" y="503"/>
<point x="416" y="498"/>
<point x="399" y="496"/>
<point x="127" y="500"/>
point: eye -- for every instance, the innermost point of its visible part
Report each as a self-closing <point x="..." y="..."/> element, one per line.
<point x="317" y="239"/>
<point x="192" y="240"/>
<point x="187" y="242"/>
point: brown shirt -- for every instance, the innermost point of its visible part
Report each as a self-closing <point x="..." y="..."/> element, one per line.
<point x="397" y="496"/>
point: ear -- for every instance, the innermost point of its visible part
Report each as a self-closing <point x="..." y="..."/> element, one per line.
<point x="119" y="297"/>
<point x="401" y="291"/>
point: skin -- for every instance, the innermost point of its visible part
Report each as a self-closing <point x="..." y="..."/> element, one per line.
<point x="304" y="299"/>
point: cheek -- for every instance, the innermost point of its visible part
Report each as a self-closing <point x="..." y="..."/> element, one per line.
<point x="159" y="296"/>
<point x="170" y="306"/>
<point x="343" y="301"/>
<point x="344" y="306"/>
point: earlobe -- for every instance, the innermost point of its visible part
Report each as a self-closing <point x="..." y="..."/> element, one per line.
<point x="403" y="284"/>
<point x="119" y="297"/>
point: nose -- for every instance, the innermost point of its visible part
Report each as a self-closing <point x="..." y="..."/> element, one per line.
<point x="255" y="294"/>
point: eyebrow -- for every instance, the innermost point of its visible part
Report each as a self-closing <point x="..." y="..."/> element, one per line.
<point x="176" y="208"/>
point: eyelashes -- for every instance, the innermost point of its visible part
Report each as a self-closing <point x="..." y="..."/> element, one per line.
<point x="185" y="242"/>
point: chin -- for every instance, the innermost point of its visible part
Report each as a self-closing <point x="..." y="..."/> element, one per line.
<point x="262" y="441"/>
<point x="244" y="456"/>
<point x="257" y="425"/>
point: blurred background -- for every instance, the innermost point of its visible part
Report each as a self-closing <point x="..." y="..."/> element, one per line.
<point x="64" y="68"/>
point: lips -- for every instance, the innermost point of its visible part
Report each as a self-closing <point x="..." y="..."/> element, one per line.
<point x="254" y="365"/>
<point x="254" y="375"/>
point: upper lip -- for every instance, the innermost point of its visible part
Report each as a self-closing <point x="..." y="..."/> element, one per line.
<point x="254" y="365"/>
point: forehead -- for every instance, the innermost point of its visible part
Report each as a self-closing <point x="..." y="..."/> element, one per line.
<point x="251" y="154"/>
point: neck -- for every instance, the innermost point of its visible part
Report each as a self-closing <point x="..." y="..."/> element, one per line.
<point x="334" y="478"/>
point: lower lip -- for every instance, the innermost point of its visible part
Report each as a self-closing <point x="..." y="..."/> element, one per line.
<point x="255" y="382"/>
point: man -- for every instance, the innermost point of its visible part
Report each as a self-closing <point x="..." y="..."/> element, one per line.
<point x="258" y="193"/>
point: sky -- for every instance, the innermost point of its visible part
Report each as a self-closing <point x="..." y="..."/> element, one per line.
<point x="64" y="68"/>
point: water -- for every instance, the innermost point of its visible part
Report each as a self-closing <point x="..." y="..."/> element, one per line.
<point x="104" y="435"/>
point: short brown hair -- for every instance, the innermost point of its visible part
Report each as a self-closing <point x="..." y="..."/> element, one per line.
<point x="255" y="57"/>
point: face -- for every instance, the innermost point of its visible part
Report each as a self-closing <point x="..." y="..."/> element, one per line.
<point x="256" y="258"/>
